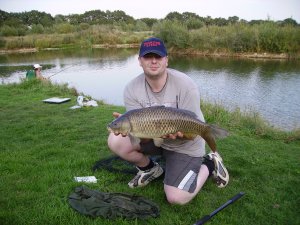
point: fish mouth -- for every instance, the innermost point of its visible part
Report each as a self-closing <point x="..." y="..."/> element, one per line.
<point x="116" y="132"/>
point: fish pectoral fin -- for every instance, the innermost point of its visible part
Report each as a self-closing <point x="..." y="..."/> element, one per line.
<point x="158" y="141"/>
<point x="189" y="136"/>
<point x="134" y="140"/>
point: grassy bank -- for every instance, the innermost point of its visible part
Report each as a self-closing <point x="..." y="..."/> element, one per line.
<point x="43" y="146"/>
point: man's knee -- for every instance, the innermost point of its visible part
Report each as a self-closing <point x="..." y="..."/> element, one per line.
<point x="119" y="144"/>
<point x="177" y="196"/>
<point x="116" y="144"/>
<point x="178" y="199"/>
<point x="112" y="141"/>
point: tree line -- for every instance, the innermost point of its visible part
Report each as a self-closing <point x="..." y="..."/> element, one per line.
<point x="35" y="22"/>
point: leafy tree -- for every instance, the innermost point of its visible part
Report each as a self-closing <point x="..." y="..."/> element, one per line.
<point x="3" y="16"/>
<point x="189" y="15"/>
<point x="93" y="17"/>
<point x="289" y="21"/>
<point x="36" y="17"/>
<point x="149" y="21"/>
<point x="101" y="17"/>
<point x="59" y="18"/>
<point x="208" y="21"/>
<point x="254" y="22"/>
<point x="220" y="22"/>
<point x="174" y="16"/>
<point x="13" y="22"/>
<point x="119" y="16"/>
<point x="233" y="19"/>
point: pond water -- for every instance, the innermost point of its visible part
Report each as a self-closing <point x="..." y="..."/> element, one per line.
<point x="269" y="87"/>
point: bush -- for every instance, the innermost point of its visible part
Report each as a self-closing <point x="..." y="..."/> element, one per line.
<point x="8" y="31"/>
<point x="277" y="39"/>
<point x="64" y="28"/>
<point x="84" y="26"/>
<point x="141" y="26"/>
<point x="211" y="38"/>
<point x="2" y="42"/>
<point x="174" y="33"/>
<point x="242" y="38"/>
<point x="194" y="23"/>
<point x="37" y="29"/>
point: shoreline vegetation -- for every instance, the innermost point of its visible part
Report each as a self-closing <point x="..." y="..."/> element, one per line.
<point x="44" y="146"/>
<point x="183" y="33"/>
<point x="171" y="51"/>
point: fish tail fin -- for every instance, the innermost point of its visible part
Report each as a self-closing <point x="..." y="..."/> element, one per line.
<point x="218" y="132"/>
<point x="215" y="132"/>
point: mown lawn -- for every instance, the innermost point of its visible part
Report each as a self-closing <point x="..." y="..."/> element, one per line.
<point x="43" y="146"/>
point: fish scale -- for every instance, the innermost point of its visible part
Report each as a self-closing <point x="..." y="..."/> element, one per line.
<point x="156" y="124"/>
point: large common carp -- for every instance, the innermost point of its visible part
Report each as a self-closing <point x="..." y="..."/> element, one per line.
<point x="158" y="121"/>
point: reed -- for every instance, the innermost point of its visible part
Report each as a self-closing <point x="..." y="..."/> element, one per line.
<point x="237" y="38"/>
<point x="267" y="37"/>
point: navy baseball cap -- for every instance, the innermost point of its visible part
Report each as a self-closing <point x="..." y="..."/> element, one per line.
<point x="153" y="45"/>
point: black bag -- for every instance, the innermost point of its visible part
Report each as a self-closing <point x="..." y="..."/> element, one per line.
<point x="112" y="205"/>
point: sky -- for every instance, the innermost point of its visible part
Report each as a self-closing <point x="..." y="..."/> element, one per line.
<point x="244" y="9"/>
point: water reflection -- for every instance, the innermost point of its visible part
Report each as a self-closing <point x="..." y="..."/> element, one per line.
<point x="269" y="87"/>
<point x="104" y="79"/>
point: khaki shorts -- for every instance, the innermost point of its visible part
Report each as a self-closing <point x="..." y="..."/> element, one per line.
<point x="181" y="170"/>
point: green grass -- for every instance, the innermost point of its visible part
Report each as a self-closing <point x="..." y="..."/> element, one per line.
<point x="43" y="146"/>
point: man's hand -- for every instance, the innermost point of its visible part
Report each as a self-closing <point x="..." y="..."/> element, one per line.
<point x="117" y="115"/>
<point x="174" y="136"/>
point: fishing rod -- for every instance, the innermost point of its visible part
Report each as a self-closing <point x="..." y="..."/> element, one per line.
<point x="62" y="70"/>
<point x="205" y="218"/>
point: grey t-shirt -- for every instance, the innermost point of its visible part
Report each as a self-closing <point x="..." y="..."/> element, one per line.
<point x="181" y="92"/>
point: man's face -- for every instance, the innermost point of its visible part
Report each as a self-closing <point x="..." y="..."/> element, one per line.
<point x="153" y="64"/>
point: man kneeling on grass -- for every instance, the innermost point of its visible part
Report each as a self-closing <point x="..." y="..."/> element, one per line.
<point x="187" y="166"/>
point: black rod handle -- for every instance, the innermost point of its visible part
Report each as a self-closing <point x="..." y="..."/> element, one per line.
<point x="205" y="218"/>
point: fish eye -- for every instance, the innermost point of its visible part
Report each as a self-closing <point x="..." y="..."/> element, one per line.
<point x="115" y="124"/>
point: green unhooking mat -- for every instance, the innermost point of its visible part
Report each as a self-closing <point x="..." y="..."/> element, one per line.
<point x="112" y="205"/>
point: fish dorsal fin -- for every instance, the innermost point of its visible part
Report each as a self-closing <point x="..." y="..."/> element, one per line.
<point x="157" y="106"/>
<point x="188" y="112"/>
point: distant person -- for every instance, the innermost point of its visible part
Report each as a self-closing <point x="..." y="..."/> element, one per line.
<point x="35" y="73"/>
